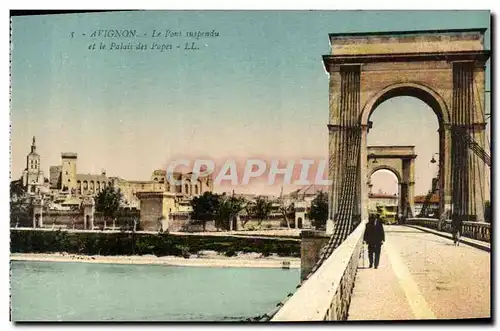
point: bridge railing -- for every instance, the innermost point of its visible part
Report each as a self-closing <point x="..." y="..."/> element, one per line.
<point x="431" y="223"/>
<point x="474" y="230"/>
<point x="477" y="230"/>
<point x="326" y="295"/>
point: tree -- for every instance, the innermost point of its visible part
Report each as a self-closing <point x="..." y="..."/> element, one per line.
<point x="19" y="201"/>
<point x="261" y="209"/>
<point x="108" y="202"/>
<point x="287" y="211"/>
<point x="228" y="209"/>
<point x="205" y="207"/>
<point x="319" y="210"/>
<point x="17" y="191"/>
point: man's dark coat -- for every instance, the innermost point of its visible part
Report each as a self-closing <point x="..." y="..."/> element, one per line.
<point x="374" y="233"/>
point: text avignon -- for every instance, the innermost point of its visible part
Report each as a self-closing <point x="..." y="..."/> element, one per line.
<point x="114" y="33"/>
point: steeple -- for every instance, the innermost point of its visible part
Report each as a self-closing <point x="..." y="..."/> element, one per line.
<point x="33" y="176"/>
<point x="33" y="146"/>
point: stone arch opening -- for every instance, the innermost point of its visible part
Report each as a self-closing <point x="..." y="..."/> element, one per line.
<point x="436" y="103"/>
<point x="383" y="199"/>
<point x="408" y="89"/>
<point x="393" y="170"/>
<point x="410" y="121"/>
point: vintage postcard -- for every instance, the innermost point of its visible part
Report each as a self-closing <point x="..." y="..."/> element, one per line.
<point x="250" y="166"/>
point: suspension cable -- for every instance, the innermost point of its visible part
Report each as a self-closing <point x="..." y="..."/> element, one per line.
<point x="483" y="206"/>
<point x="346" y="166"/>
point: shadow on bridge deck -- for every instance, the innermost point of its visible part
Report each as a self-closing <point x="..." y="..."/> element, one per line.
<point x="422" y="276"/>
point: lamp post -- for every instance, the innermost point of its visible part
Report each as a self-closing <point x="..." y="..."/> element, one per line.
<point x="435" y="179"/>
<point x="370" y="186"/>
<point x="433" y="160"/>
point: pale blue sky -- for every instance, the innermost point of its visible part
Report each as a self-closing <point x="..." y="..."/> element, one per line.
<point x="257" y="90"/>
<point x="421" y="131"/>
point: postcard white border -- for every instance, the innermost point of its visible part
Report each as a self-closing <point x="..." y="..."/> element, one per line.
<point x="186" y="4"/>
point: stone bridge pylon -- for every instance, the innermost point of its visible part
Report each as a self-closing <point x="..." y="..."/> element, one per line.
<point x="400" y="160"/>
<point x="446" y="70"/>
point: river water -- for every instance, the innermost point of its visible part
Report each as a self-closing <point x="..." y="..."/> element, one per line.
<point x="66" y="291"/>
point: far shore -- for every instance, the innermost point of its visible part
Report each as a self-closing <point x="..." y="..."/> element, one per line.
<point x="203" y="259"/>
<point x="289" y="234"/>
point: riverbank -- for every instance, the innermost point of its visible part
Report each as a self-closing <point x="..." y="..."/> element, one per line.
<point x="148" y="244"/>
<point x="203" y="259"/>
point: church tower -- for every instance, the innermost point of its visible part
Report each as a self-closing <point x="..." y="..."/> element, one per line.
<point x="33" y="175"/>
<point x="33" y="159"/>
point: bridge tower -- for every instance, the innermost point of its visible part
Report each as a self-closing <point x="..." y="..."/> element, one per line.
<point x="400" y="160"/>
<point x="446" y="70"/>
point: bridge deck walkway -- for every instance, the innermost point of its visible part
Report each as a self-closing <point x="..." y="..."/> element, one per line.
<point x="422" y="276"/>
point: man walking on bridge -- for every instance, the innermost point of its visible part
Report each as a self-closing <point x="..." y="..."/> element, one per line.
<point x="374" y="237"/>
<point x="456" y="229"/>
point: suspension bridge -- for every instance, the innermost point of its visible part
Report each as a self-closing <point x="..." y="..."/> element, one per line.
<point x="422" y="274"/>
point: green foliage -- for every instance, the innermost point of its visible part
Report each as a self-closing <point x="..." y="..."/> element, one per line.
<point x="283" y="249"/>
<point x="184" y="251"/>
<point x="287" y="211"/>
<point x="319" y="210"/>
<point x="20" y="203"/>
<point x="229" y="207"/>
<point x="266" y="250"/>
<point x="205" y="207"/>
<point x="108" y="202"/>
<point x="230" y="253"/>
<point x="261" y="209"/>
<point x="121" y="243"/>
<point x="16" y="190"/>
